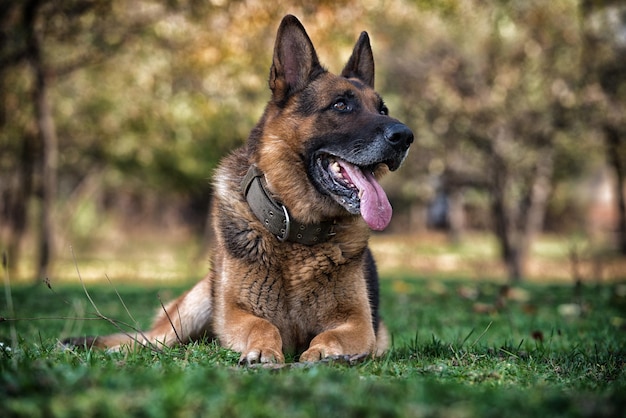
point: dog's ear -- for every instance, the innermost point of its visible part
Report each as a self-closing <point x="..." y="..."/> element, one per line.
<point x="295" y="61"/>
<point x="361" y="63"/>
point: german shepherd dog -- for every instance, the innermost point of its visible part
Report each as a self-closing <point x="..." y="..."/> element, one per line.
<point x="292" y="213"/>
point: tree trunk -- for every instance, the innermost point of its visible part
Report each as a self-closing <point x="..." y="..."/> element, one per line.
<point x="47" y="133"/>
<point x="531" y="219"/>
<point x="48" y="138"/>
<point x="15" y="197"/>
<point x="516" y="224"/>
<point x="503" y="221"/>
<point x="612" y="139"/>
<point x="16" y="185"/>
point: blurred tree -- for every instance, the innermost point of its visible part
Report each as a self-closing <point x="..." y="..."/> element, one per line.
<point x="604" y="65"/>
<point x="52" y="39"/>
<point x="493" y="89"/>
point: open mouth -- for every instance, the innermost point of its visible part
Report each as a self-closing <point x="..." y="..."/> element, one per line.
<point x="355" y="188"/>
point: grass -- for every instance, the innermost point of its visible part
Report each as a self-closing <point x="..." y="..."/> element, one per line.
<point x="460" y="349"/>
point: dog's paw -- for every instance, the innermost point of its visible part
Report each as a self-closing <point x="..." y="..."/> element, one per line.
<point x="261" y="355"/>
<point x="318" y="352"/>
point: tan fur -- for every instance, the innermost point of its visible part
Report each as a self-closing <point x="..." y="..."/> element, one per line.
<point x="263" y="297"/>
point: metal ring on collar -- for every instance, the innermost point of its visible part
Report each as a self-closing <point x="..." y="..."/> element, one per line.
<point x="285" y="231"/>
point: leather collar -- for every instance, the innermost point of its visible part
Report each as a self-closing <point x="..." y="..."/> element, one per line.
<point x="275" y="216"/>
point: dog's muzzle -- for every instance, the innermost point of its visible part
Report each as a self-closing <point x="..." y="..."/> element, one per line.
<point x="397" y="140"/>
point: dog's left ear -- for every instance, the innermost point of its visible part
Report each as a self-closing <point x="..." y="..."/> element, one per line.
<point x="361" y="63"/>
<point x="295" y="61"/>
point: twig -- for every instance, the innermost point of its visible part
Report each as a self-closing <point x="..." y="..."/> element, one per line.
<point x="115" y="323"/>
<point x="121" y="300"/>
<point x="47" y="318"/>
<point x="135" y="328"/>
<point x="171" y="322"/>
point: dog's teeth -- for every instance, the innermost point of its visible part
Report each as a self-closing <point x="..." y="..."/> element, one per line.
<point x="360" y="194"/>
<point x="335" y="167"/>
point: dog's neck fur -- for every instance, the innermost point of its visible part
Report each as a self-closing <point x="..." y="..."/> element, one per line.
<point x="275" y="217"/>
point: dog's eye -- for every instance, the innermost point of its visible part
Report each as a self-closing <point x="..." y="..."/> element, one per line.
<point x="384" y="111"/>
<point x="342" y="106"/>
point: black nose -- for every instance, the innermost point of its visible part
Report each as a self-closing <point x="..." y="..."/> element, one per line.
<point x="399" y="135"/>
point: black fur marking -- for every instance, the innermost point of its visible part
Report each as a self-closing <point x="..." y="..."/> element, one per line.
<point x="308" y="103"/>
<point x="373" y="291"/>
<point x="240" y="240"/>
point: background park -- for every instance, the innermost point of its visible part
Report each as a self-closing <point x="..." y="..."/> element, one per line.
<point x="503" y="270"/>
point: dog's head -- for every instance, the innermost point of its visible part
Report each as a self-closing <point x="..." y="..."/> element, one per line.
<point x="325" y="139"/>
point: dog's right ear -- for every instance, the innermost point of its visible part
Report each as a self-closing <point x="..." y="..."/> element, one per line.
<point x="361" y="62"/>
<point x="295" y="61"/>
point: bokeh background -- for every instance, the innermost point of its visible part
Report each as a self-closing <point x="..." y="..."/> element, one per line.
<point x="113" y="115"/>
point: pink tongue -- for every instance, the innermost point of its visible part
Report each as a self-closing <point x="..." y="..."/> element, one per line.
<point x="375" y="207"/>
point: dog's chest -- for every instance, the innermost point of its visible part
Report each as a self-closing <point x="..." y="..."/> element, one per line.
<point x="294" y="278"/>
<point x="301" y="288"/>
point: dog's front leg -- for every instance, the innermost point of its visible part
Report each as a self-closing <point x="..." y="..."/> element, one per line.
<point x="257" y="339"/>
<point x="355" y="336"/>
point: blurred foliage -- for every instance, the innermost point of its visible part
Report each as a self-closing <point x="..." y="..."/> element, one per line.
<point x="149" y="95"/>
